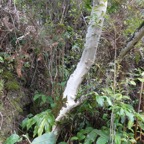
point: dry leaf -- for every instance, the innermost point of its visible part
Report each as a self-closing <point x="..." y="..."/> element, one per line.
<point x="54" y="44"/>
<point x="19" y="68"/>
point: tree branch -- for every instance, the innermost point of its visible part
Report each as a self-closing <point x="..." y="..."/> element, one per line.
<point x="138" y="34"/>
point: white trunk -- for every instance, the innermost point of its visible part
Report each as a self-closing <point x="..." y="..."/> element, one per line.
<point x="88" y="56"/>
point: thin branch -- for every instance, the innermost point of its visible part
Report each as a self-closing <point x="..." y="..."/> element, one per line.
<point x="1" y="120"/>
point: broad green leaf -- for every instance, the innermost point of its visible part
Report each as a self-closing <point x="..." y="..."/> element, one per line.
<point x="30" y="123"/>
<point x="1" y="60"/>
<point x="108" y="100"/>
<point x="36" y="118"/>
<point x="13" y="139"/>
<point x="123" y="140"/>
<point x="88" y="141"/>
<point x="126" y="97"/>
<point x="50" y="119"/>
<point x="48" y="138"/>
<point x="118" y="96"/>
<point x="100" y="100"/>
<point x="80" y="136"/>
<point x="91" y="137"/>
<point x="102" y="140"/>
<point x="36" y="96"/>
<point x="44" y="98"/>
<point x="141" y="79"/>
<point x="117" y="139"/>
<point x="87" y="130"/>
<point x="140" y="116"/>
<point x="121" y="111"/>
<point x="47" y="128"/>
<point x="35" y="132"/>
<point x="24" y="122"/>
<point x="142" y="74"/>
<point x="130" y="124"/>
<point x="132" y="83"/>
<point x="41" y="127"/>
<point x="130" y="115"/>
<point x="74" y="138"/>
<point x="141" y="124"/>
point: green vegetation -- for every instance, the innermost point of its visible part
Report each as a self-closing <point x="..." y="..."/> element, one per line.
<point x="41" y="43"/>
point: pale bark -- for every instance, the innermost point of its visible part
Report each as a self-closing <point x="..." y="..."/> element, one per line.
<point x="87" y="59"/>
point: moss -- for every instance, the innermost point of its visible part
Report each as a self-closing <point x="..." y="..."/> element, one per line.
<point x="7" y="75"/>
<point x="12" y="85"/>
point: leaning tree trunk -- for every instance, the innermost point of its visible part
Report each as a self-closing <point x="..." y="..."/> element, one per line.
<point x="87" y="60"/>
<point x="138" y="34"/>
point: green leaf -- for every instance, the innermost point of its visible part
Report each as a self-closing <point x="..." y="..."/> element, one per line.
<point x="126" y="97"/>
<point x="48" y="138"/>
<point x="124" y="140"/>
<point x="44" y="98"/>
<point x="41" y="127"/>
<point x="118" y="96"/>
<point x="80" y="136"/>
<point x="50" y="120"/>
<point x="100" y="100"/>
<point x="36" y="96"/>
<point x="91" y="137"/>
<point x="74" y="138"/>
<point x="140" y="116"/>
<point x="108" y="100"/>
<point x="87" y="130"/>
<point x="102" y="140"/>
<point x="117" y="139"/>
<point x="35" y="132"/>
<point x="130" y="124"/>
<point x="47" y="128"/>
<point x="13" y="139"/>
<point x="142" y="74"/>
<point x="141" y="125"/>
<point x="130" y="115"/>
<point x="121" y="113"/>
<point x="132" y="83"/>
<point x="141" y="79"/>
<point x="1" y="60"/>
<point x="30" y="123"/>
